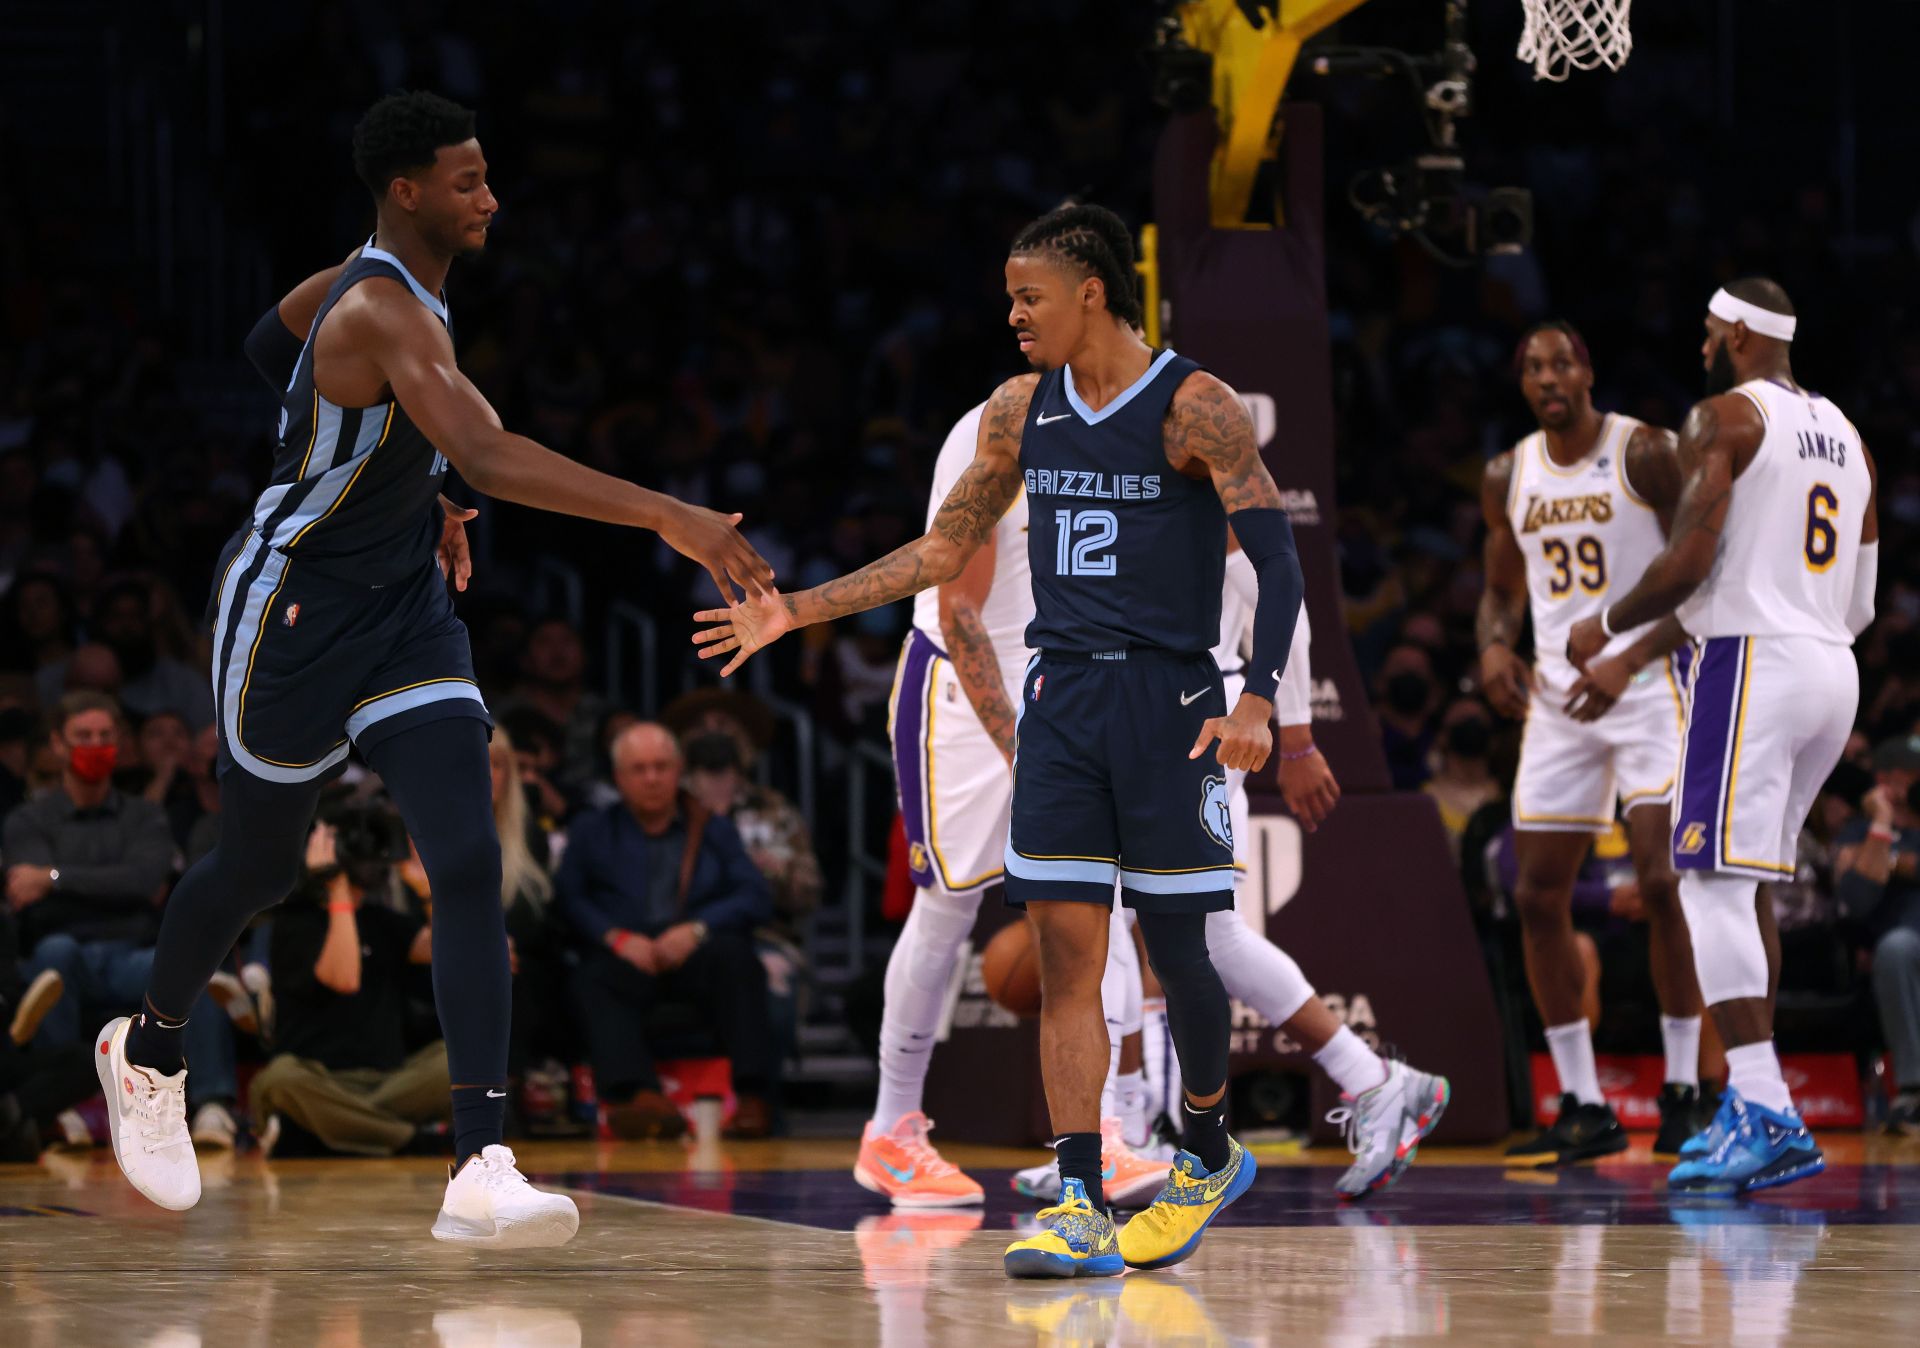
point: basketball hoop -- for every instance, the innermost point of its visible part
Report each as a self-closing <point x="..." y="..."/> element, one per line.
<point x="1563" y="36"/>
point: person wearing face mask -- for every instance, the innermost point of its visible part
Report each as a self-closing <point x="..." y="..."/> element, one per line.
<point x="85" y="866"/>
<point x="1406" y="730"/>
<point x="1462" y="781"/>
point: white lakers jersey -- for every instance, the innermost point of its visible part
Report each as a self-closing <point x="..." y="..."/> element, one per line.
<point x="1792" y="536"/>
<point x="1586" y="538"/>
<point x="1009" y="605"/>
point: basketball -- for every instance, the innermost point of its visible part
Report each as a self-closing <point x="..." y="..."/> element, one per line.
<point x="1010" y="967"/>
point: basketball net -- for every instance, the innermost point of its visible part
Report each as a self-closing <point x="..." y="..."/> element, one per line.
<point x="1562" y="36"/>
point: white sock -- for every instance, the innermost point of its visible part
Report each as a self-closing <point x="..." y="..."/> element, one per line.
<point x="1754" y="1071"/>
<point x="1572" y="1048"/>
<point x="1681" y="1035"/>
<point x="1109" y="1092"/>
<point x="1130" y="1100"/>
<point x="919" y="973"/>
<point x="1353" y="1066"/>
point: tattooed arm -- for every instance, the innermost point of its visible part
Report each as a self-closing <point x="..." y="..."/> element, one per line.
<point x="1718" y="441"/>
<point x="972" y="653"/>
<point x="963" y="523"/>
<point x="1506" y="679"/>
<point x="1652" y="468"/>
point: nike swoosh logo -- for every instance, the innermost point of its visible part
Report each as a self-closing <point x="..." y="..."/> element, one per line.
<point x="1106" y="1172"/>
<point x="1048" y="421"/>
<point x="1188" y="699"/>
<point x="496" y="1095"/>
<point x="903" y="1176"/>
<point x="1218" y="1184"/>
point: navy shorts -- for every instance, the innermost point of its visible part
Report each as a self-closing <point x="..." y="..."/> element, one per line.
<point x="1103" y="787"/>
<point x="303" y="662"/>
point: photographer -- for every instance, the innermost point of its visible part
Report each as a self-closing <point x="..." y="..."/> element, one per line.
<point x="339" y="966"/>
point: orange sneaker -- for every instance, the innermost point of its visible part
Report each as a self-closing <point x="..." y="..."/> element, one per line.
<point x="901" y="1164"/>
<point x="1130" y="1179"/>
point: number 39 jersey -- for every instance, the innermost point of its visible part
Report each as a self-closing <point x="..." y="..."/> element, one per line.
<point x="1126" y="553"/>
<point x="1586" y="538"/>
<point x="1792" y="536"/>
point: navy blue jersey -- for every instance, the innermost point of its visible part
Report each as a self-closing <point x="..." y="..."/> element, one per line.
<point x="354" y="488"/>
<point x="1126" y="553"/>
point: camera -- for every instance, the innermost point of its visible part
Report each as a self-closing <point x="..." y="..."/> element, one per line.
<point x="369" y="838"/>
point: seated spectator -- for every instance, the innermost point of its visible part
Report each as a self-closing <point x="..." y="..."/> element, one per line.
<point x="149" y="681"/>
<point x="339" y="965"/>
<point x="86" y="867"/>
<point x="165" y="742"/>
<point x="775" y="834"/>
<point x="18" y="734"/>
<point x="536" y="742"/>
<point x="553" y="682"/>
<point x="1463" y="780"/>
<point x="1406" y="714"/>
<point x="665" y="898"/>
<point x="36" y="623"/>
<point x="541" y="1022"/>
<point x="1878" y="884"/>
<point x="34" y="1087"/>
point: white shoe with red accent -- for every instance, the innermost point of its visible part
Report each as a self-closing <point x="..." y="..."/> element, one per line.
<point x="902" y="1165"/>
<point x="1129" y="1179"/>
<point x="147" y="1116"/>
<point x="489" y="1202"/>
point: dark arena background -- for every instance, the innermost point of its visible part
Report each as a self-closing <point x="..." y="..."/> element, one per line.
<point x="752" y="256"/>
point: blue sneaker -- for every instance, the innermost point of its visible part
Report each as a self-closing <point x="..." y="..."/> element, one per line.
<point x="1758" y="1149"/>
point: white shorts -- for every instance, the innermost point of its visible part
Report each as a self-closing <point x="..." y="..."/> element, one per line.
<point x="956" y="792"/>
<point x="1766" y="722"/>
<point x="1572" y="773"/>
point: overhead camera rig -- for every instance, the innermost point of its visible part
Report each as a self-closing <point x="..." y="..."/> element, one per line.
<point x="1239" y="55"/>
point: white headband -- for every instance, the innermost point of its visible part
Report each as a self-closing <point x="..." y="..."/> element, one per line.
<point x="1763" y="321"/>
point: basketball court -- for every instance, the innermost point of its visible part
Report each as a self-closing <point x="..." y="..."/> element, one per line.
<point x="774" y="1241"/>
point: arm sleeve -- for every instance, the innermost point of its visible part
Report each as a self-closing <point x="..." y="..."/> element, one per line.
<point x="1266" y="536"/>
<point x="1294" y="705"/>
<point x="273" y="349"/>
<point x="741" y="897"/>
<point x="1866" y="578"/>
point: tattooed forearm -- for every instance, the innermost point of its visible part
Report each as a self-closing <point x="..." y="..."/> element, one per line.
<point x="1707" y="461"/>
<point x="1207" y="425"/>
<point x="1503" y="604"/>
<point x="964" y="521"/>
<point x="979" y="669"/>
<point x="1499" y="618"/>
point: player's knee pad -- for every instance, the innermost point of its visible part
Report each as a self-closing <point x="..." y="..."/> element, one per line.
<point x="1120" y="985"/>
<point x="1728" y="953"/>
<point x="1254" y="969"/>
<point x="935" y="930"/>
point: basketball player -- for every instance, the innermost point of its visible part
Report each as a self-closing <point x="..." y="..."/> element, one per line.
<point x="333" y="625"/>
<point x="1385" y="1103"/>
<point x="1771" y="568"/>
<point x="951" y="722"/>
<point x="1132" y="460"/>
<point x="1581" y="506"/>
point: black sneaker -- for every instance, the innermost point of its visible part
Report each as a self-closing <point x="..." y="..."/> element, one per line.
<point x="1581" y="1133"/>
<point x="1684" y="1112"/>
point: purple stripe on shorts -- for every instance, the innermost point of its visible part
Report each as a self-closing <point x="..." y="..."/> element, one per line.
<point x="1696" y="815"/>
<point x="1683" y="665"/>
<point x="909" y="751"/>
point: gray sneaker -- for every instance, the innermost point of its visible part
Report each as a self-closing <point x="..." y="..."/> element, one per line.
<point x="1384" y="1126"/>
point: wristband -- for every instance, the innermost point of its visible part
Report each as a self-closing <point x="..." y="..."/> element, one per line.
<point x="339" y="908"/>
<point x="1605" y="626"/>
<point x="1296" y="755"/>
<point x="1883" y="833"/>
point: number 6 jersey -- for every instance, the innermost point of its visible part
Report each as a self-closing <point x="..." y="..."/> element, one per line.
<point x="1126" y="552"/>
<point x="1586" y="537"/>
<point x="1792" y="535"/>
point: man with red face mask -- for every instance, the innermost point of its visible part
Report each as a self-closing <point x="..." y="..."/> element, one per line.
<point x="85" y="867"/>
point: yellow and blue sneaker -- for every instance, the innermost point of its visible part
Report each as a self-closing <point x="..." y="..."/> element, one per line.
<point x="1169" y="1229"/>
<point x="1075" y="1240"/>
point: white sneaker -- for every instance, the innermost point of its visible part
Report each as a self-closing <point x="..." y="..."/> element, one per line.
<point x="147" y="1116"/>
<point x="269" y="1136"/>
<point x="1038" y="1181"/>
<point x="489" y="1202"/>
<point x="1385" y="1125"/>
<point x="213" y="1126"/>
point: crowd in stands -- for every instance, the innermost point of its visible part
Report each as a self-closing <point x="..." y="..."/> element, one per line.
<point x="774" y="292"/>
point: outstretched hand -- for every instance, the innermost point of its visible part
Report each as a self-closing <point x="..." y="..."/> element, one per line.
<point x="714" y="541"/>
<point x="742" y="628"/>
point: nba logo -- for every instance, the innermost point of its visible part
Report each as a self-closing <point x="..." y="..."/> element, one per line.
<point x="292" y="615"/>
<point x="1037" y="685"/>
